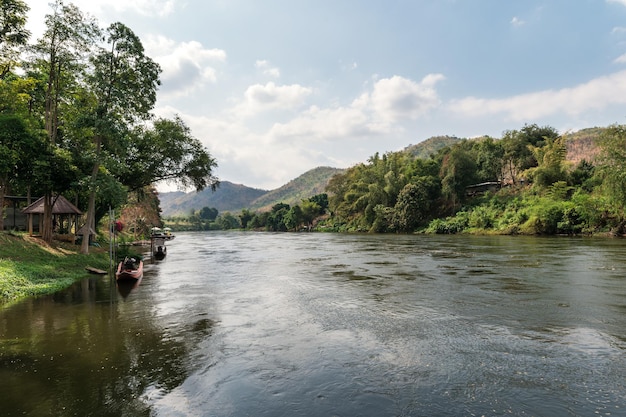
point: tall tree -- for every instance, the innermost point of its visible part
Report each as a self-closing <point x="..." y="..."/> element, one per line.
<point x="124" y="82"/>
<point x="68" y="38"/>
<point x="458" y="170"/>
<point x="414" y="203"/>
<point x="518" y="156"/>
<point x="550" y="162"/>
<point x="612" y="166"/>
<point x="19" y="148"/>
<point x="167" y="151"/>
<point x="13" y="33"/>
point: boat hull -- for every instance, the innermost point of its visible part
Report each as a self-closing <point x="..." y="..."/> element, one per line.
<point x="127" y="274"/>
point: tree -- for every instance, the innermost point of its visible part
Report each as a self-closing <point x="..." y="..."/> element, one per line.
<point x="518" y="156"/>
<point x="309" y="210"/>
<point x="69" y="36"/>
<point x="550" y="162"/>
<point x="227" y="221"/>
<point x="413" y="205"/>
<point x="293" y="218"/>
<point x="245" y="217"/>
<point x="19" y="148"/>
<point x="489" y="159"/>
<point x="167" y="152"/>
<point x="458" y="170"/>
<point x="124" y="82"/>
<point x="276" y="219"/>
<point x="13" y="33"/>
<point x="321" y="200"/>
<point x="612" y="166"/>
<point x="208" y="213"/>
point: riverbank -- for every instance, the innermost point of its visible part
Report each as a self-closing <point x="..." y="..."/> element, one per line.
<point x="31" y="267"/>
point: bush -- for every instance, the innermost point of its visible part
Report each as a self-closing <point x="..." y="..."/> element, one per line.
<point x="451" y="225"/>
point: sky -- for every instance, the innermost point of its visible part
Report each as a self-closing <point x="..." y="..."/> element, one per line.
<point x="274" y="88"/>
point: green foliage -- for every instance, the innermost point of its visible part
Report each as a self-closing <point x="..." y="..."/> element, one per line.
<point x="208" y="213"/>
<point x="413" y="204"/>
<point x="27" y="269"/>
<point x="311" y="183"/>
<point x="450" y="225"/>
<point x="458" y="170"/>
<point x="167" y="151"/>
<point x="13" y="33"/>
<point x="550" y="162"/>
<point x="227" y="221"/>
<point x="429" y="147"/>
<point x="612" y="167"/>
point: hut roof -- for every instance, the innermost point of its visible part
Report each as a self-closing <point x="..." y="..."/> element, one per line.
<point x="61" y="206"/>
<point x="81" y="231"/>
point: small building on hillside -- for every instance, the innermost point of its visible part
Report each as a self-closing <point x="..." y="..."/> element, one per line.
<point x="482" y="188"/>
<point x="64" y="216"/>
<point x="14" y="219"/>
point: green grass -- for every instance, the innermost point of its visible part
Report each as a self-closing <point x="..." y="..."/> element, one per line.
<point x="29" y="267"/>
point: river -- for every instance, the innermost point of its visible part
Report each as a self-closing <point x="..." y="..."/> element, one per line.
<point x="264" y="324"/>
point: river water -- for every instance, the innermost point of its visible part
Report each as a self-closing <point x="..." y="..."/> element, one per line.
<point x="262" y="324"/>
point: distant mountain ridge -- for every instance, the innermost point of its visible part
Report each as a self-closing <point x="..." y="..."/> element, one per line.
<point x="426" y="148"/>
<point x="231" y="197"/>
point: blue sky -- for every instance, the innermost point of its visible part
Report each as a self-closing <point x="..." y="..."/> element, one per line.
<point x="274" y="88"/>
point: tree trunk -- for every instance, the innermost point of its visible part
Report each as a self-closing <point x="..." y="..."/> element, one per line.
<point x="91" y="207"/>
<point x="46" y="232"/>
<point x="91" y="210"/>
<point x="30" y="216"/>
<point x="2" y="193"/>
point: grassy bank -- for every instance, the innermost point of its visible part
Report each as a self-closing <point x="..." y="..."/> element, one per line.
<point x="30" y="267"/>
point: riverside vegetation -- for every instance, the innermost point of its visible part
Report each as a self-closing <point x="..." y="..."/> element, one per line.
<point x="30" y="267"/>
<point x="75" y="119"/>
<point x="538" y="183"/>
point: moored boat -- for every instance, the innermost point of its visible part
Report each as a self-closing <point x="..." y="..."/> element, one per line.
<point x="167" y="233"/>
<point x="129" y="269"/>
<point x="160" y="252"/>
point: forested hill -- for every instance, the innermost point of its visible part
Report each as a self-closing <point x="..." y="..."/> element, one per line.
<point x="235" y="197"/>
<point x="580" y="145"/>
<point x="430" y="146"/>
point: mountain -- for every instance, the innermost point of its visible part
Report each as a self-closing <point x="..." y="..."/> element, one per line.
<point x="235" y="197"/>
<point x="583" y="144"/>
<point x="430" y="146"/>
<point x="307" y="185"/>
<point x="227" y="197"/>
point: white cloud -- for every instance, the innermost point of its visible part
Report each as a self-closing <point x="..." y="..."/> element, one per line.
<point x="259" y="98"/>
<point x="372" y="114"/>
<point x="267" y="68"/>
<point x="593" y="95"/>
<point x="620" y="59"/>
<point x="517" y="22"/>
<point x="622" y="2"/>
<point x="398" y="98"/>
<point x="186" y="65"/>
<point x="143" y="7"/>
<point x="321" y="124"/>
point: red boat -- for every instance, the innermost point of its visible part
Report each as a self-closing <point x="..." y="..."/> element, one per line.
<point x="129" y="269"/>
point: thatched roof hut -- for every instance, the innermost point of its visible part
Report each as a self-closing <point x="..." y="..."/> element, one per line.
<point x="61" y="206"/>
<point x="62" y="210"/>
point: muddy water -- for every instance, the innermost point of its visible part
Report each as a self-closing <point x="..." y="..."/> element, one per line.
<point x="260" y="324"/>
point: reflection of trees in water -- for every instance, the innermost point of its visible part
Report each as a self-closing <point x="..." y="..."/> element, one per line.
<point x="70" y="355"/>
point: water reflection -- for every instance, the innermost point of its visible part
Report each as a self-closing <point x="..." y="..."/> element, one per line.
<point x="267" y="324"/>
<point x="124" y="287"/>
<point x="79" y="352"/>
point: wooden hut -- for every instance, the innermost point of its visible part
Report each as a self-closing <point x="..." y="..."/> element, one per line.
<point x="64" y="217"/>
